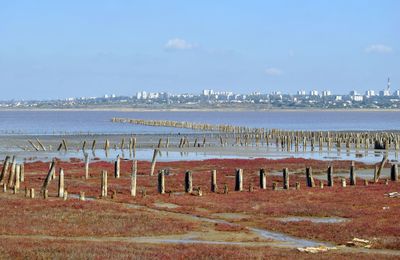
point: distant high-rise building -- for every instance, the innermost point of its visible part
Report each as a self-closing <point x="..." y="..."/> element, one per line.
<point x="326" y="93"/>
<point x="301" y="92"/>
<point x="397" y="93"/>
<point x="314" y="93"/>
<point x="353" y="93"/>
<point x="384" y="93"/>
<point x="370" y="93"/>
<point x="208" y="92"/>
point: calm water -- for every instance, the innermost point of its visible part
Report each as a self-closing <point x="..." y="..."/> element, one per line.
<point x="56" y="122"/>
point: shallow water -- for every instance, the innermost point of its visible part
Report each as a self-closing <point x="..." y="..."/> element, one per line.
<point x="314" y="219"/>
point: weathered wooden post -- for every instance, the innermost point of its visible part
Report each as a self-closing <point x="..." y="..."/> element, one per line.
<point x="297" y="185"/>
<point x="153" y="162"/>
<point x="161" y="182"/>
<point x="45" y="194"/>
<point x="352" y="174"/>
<point x="133" y="178"/>
<point x="4" y="187"/>
<point x="49" y="175"/>
<point x="117" y="166"/>
<point x="17" y="177"/>
<point x="214" y="186"/>
<point x="285" y="178"/>
<point x="365" y="182"/>
<point x="86" y="165"/>
<point x="343" y="182"/>
<point x="394" y="173"/>
<point x="32" y="193"/>
<point x="330" y="176"/>
<point x="263" y="179"/>
<point x="12" y="173"/>
<point x="61" y="183"/>
<point x="27" y="195"/>
<point x="65" y="197"/>
<point x="274" y="186"/>
<point x="82" y="196"/>
<point x="239" y="180"/>
<point x="309" y="177"/>
<point x="4" y="171"/>
<point x="188" y="181"/>
<point x="22" y="172"/>
<point x="104" y="187"/>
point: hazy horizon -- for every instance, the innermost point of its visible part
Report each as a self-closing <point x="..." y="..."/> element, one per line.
<point x="54" y="49"/>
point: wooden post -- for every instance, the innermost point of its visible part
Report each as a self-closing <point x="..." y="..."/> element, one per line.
<point x="4" y="187"/>
<point x="86" y="165"/>
<point x="49" y="175"/>
<point x="4" y="171"/>
<point x="22" y="172"/>
<point x="352" y="174"/>
<point x="239" y="180"/>
<point x="286" y="178"/>
<point x="263" y="179"/>
<point x="65" y="197"/>
<point x="12" y="173"/>
<point x="188" y="181"/>
<point x="161" y="182"/>
<point x="45" y="194"/>
<point x="274" y="186"/>
<point x="365" y="182"/>
<point x="17" y="176"/>
<point x="297" y="185"/>
<point x="343" y="182"/>
<point x="82" y="196"/>
<point x="104" y="188"/>
<point x="214" y="186"/>
<point x="321" y="184"/>
<point x="309" y="177"/>
<point x="394" y="173"/>
<point x="32" y="193"/>
<point x="117" y="166"/>
<point x="27" y="195"/>
<point x="133" y="178"/>
<point x="330" y="176"/>
<point x="61" y="184"/>
<point x="153" y="162"/>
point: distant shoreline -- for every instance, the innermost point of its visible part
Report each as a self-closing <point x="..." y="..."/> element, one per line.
<point x="126" y="109"/>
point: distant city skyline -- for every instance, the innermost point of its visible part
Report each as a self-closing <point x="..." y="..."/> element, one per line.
<point x="60" y="49"/>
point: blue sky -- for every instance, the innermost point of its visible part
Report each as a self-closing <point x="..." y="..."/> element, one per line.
<point x="58" y="49"/>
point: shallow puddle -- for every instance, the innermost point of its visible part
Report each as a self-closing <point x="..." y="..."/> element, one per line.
<point x="328" y="220"/>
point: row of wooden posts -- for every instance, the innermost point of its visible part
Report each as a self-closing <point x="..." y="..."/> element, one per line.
<point x="16" y="176"/>
<point x="283" y="138"/>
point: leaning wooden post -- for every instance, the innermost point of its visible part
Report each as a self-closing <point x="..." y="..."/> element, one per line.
<point x="394" y="173"/>
<point x="263" y="179"/>
<point x="4" y="171"/>
<point x="352" y="174"/>
<point x="188" y="181"/>
<point x="49" y="175"/>
<point x="214" y="187"/>
<point x="86" y="166"/>
<point x="309" y="177"/>
<point x="12" y="173"/>
<point x="117" y="166"/>
<point x="239" y="180"/>
<point x="330" y="176"/>
<point x="133" y="178"/>
<point x="104" y="184"/>
<point x="61" y="184"/>
<point x="286" y="178"/>
<point x="161" y="182"/>
<point x="153" y="162"/>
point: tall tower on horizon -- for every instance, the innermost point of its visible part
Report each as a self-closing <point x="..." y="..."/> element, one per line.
<point x="388" y="84"/>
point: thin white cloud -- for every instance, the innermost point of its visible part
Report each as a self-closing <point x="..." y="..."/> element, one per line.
<point x="273" y="72"/>
<point x="178" y="44"/>
<point x="378" y="48"/>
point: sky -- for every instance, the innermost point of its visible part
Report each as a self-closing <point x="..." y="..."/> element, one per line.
<point x="59" y="49"/>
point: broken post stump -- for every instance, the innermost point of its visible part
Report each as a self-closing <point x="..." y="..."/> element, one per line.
<point x="309" y="178"/>
<point x="117" y="167"/>
<point x="32" y="193"/>
<point x="86" y="166"/>
<point x="82" y="196"/>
